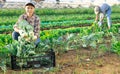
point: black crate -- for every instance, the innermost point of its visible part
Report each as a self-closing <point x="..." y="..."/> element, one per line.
<point x="47" y="60"/>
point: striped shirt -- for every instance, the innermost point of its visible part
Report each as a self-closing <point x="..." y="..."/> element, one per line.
<point x="34" y="21"/>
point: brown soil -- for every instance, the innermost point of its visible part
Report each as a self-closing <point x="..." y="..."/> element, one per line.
<point x="82" y="61"/>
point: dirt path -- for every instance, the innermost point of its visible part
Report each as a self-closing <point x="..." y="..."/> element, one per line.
<point x="83" y="61"/>
<point x="88" y="62"/>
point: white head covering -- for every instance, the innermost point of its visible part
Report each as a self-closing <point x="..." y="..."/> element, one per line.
<point x="97" y="9"/>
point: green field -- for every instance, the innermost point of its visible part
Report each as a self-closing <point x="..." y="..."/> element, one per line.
<point x="63" y="29"/>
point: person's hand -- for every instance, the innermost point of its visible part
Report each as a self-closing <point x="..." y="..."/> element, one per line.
<point x="21" y="32"/>
<point x="31" y="33"/>
<point x="99" y="23"/>
<point x="27" y="39"/>
<point x="34" y="37"/>
<point x="95" y="21"/>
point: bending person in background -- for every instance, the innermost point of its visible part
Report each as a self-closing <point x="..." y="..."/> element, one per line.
<point x="32" y="19"/>
<point x="102" y="11"/>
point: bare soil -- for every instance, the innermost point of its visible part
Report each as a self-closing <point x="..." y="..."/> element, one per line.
<point x="82" y="61"/>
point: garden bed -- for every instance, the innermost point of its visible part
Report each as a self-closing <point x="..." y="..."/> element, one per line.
<point x="80" y="62"/>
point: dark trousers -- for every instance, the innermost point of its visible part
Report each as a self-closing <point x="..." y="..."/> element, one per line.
<point x="16" y="34"/>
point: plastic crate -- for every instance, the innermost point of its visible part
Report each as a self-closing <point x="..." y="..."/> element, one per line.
<point x="47" y="60"/>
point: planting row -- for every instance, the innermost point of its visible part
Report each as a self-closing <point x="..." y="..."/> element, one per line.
<point x="55" y="18"/>
<point x="12" y="12"/>
<point x="56" y="33"/>
<point x="57" y="25"/>
<point x="61" y="41"/>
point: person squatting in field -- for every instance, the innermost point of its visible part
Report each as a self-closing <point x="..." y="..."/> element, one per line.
<point x="32" y="19"/>
<point x="101" y="11"/>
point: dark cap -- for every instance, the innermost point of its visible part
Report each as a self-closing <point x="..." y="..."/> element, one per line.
<point x="30" y="3"/>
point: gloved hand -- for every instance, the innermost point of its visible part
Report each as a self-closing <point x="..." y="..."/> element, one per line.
<point x="99" y="23"/>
